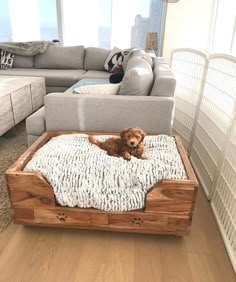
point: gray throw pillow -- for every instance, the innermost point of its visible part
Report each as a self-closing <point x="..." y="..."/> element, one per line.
<point x="138" y="78"/>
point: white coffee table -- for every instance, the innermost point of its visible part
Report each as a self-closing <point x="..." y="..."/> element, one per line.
<point x="19" y="97"/>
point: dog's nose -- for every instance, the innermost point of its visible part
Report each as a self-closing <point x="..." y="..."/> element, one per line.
<point x="132" y="143"/>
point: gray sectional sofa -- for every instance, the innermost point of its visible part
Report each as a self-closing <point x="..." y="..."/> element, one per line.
<point x="61" y="66"/>
<point x="145" y="97"/>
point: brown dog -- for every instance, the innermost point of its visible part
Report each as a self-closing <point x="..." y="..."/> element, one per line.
<point x="129" y="143"/>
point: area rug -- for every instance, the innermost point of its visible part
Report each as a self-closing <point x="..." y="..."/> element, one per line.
<point x="12" y="145"/>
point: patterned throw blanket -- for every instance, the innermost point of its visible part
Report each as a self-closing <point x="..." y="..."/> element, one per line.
<point x="83" y="175"/>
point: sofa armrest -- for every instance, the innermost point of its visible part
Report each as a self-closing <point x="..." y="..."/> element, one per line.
<point x="35" y="123"/>
<point x="107" y="113"/>
<point x="164" y="80"/>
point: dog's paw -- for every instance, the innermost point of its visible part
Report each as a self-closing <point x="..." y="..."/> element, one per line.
<point x="140" y="157"/>
<point x="126" y="156"/>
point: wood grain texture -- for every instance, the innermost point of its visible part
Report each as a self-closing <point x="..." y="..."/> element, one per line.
<point x="168" y="205"/>
<point x="171" y="196"/>
<point x="29" y="189"/>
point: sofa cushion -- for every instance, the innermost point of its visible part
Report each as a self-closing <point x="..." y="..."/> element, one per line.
<point x="164" y="81"/>
<point x="23" y="61"/>
<point x="57" y="57"/>
<point x="96" y="74"/>
<point x="138" y="78"/>
<point x="51" y="89"/>
<point x="101" y="89"/>
<point x="141" y="53"/>
<point x="52" y="77"/>
<point x="95" y="58"/>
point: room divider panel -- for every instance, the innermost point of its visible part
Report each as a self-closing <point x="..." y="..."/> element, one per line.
<point x="205" y="118"/>
<point x="213" y="125"/>
<point x="189" y="67"/>
<point x="224" y="197"/>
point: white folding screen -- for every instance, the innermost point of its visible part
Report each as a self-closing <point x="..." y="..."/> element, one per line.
<point x="224" y="198"/>
<point x="205" y="119"/>
<point x="216" y="112"/>
<point x="189" y="67"/>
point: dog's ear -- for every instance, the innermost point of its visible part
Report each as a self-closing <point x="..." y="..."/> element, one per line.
<point x="143" y="134"/>
<point x="123" y="132"/>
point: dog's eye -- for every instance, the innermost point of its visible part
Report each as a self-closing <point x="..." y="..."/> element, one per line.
<point x="137" y="136"/>
<point x="128" y="135"/>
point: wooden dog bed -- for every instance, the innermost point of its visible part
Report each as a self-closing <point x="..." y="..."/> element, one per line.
<point x="168" y="206"/>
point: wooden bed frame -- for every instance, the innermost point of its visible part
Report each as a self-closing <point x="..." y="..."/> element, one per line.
<point x="168" y="206"/>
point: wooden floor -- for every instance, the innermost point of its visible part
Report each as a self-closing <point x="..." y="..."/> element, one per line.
<point x="30" y="254"/>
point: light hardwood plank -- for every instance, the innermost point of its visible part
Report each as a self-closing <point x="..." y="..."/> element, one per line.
<point x="15" y="259"/>
<point x="147" y="259"/>
<point x="46" y="246"/>
<point x="204" y="268"/>
<point x="174" y="260"/>
<point x="119" y="258"/>
<point x="6" y="237"/>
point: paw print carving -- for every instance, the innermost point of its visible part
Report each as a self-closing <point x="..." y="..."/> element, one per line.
<point x="61" y="217"/>
<point x="137" y="221"/>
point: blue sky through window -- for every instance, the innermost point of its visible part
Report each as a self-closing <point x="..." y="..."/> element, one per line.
<point x="48" y="19"/>
<point x="5" y="25"/>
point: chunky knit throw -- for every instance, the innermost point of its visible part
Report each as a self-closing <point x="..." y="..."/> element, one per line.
<point x="83" y="175"/>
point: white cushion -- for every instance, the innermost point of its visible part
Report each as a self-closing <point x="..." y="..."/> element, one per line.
<point x="102" y="89"/>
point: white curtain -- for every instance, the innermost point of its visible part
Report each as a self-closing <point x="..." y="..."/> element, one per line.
<point x="80" y="22"/>
<point x="24" y="17"/>
<point x="223" y="37"/>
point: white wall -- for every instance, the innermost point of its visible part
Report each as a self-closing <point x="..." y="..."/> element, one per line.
<point x="187" y="25"/>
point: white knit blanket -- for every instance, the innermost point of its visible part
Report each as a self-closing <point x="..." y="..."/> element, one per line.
<point x="83" y="175"/>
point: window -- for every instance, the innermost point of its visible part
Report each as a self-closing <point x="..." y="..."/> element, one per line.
<point x="36" y="20"/>
<point x="111" y="23"/>
<point x="131" y="20"/>
<point x="87" y="22"/>
<point x="224" y="27"/>
<point x="98" y="23"/>
<point x="48" y="19"/>
<point x="5" y="24"/>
